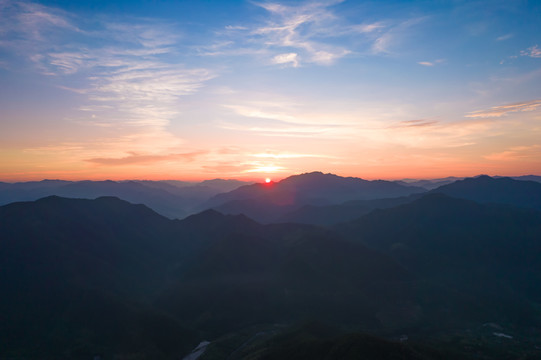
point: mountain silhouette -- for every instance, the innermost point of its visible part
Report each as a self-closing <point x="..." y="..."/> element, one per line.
<point x="268" y="202"/>
<point x="334" y="214"/>
<point x="84" y="277"/>
<point x="77" y="276"/>
<point x="174" y="199"/>
<point x="485" y="189"/>
<point x="491" y="252"/>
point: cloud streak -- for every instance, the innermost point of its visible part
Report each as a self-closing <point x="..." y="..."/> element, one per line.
<point x="517" y="153"/>
<point x="136" y="159"/>
<point x="534" y="52"/>
<point x="127" y="74"/>
<point x="294" y="35"/>
<point x="503" y="110"/>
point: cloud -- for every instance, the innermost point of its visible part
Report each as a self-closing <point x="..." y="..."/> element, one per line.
<point x="415" y="123"/>
<point x="289" y="58"/>
<point x="135" y="159"/>
<point x="502" y="110"/>
<point x="281" y="130"/>
<point x="264" y="168"/>
<point x="236" y="27"/>
<point x="301" y="27"/>
<point x="534" y="52"/>
<point x="128" y="75"/>
<point x="367" y="28"/>
<point x="504" y="37"/>
<point x="273" y="155"/>
<point x="517" y="153"/>
<point x="385" y="39"/>
<point x="308" y="32"/>
<point x="431" y="63"/>
<point x="262" y="111"/>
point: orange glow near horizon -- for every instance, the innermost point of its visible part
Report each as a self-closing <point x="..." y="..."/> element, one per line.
<point x="130" y="103"/>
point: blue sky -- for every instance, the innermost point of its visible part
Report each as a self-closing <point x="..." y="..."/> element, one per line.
<point x="250" y="89"/>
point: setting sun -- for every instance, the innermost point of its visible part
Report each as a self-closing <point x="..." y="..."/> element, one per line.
<point x="267" y="180"/>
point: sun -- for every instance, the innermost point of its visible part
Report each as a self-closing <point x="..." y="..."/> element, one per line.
<point x="267" y="180"/>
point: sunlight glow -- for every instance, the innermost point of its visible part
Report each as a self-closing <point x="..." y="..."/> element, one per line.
<point x="266" y="169"/>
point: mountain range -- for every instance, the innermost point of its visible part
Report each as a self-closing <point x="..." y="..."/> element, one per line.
<point x="309" y="201"/>
<point x="449" y="273"/>
<point x="173" y="199"/>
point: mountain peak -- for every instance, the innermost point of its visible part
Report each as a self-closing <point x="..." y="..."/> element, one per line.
<point x="504" y="190"/>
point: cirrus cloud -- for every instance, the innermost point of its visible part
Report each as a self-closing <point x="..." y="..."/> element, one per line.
<point x="502" y="110"/>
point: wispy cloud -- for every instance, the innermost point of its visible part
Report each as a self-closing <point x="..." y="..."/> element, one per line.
<point x="504" y="37"/>
<point x="431" y="63"/>
<point x="301" y="27"/>
<point x="390" y="36"/>
<point x="274" y="155"/>
<point x="146" y="159"/>
<point x="127" y="74"/>
<point x="517" y="153"/>
<point x="289" y="58"/>
<point x="502" y="110"/>
<point x="293" y="35"/>
<point x="414" y="123"/>
<point x="534" y="52"/>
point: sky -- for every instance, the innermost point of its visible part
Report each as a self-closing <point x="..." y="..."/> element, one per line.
<point x="197" y="90"/>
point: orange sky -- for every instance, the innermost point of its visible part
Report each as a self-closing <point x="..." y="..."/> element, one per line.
<point x="249" y="90"/>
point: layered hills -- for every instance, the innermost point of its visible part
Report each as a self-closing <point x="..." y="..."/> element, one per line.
<point x="451" y="274"/>
<point x="83" y="277"/>
<point x="173" y="199"/>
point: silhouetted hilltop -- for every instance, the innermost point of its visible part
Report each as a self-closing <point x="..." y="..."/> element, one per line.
<point x="334" y="214"/>
<point x="76" y="279"/>
<point x="267" y="202"/>
<point x="486" y="189"/>
<point x="490" y="252"/>
<point x="174" y="199"/>
<point x="76" y="272"/>
<point x="84" y="277"/>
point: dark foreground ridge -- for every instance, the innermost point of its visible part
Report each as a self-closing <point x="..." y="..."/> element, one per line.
<point x="84" y="278"/>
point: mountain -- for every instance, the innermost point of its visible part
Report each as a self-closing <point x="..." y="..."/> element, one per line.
<point x="429" y="184"/>
<point x="316" y="341"/>
<point x="334" y="214"/>
<point x="173" y="199"/>
<point x="85" y="277"/>
<point x="490" y="252"/>
<point x="485" y="189"/>
<point x="76" y="279"/>
<point x="528" y="178"/>
<point x="266" y="202"/>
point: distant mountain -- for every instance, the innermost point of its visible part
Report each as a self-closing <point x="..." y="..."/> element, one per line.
<point x="528" y="178"/>
<point x="173" y="199"/>
<point x="490" y="252"/>
<point x="429" y="184"/>
<point x="316" y="188"/>
<point x="224" y="185"/>
<point x="334" y="214"/>
<point x="485" y="189"/>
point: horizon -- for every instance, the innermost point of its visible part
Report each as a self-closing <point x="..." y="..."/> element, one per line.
<point x="249" y="90"/>
<point x="271" y="179"/>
